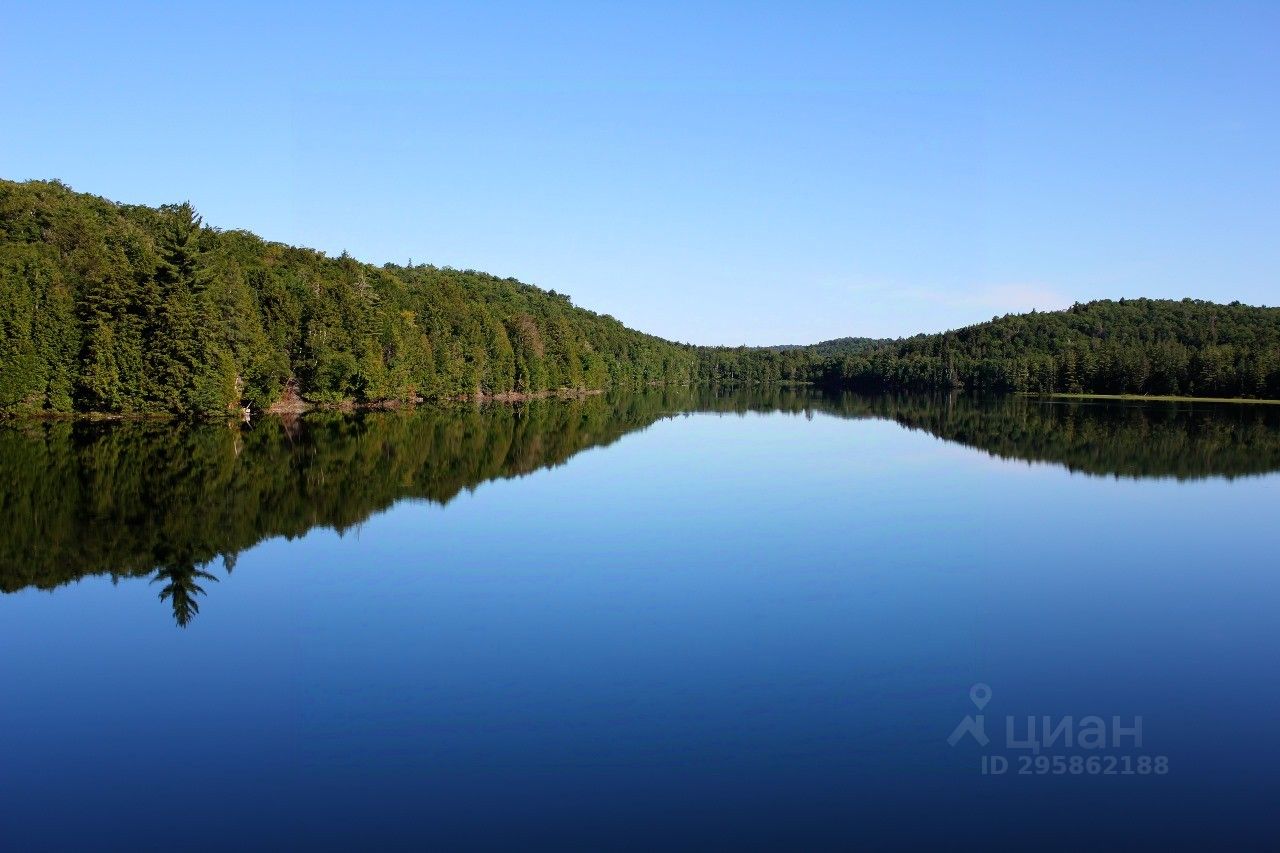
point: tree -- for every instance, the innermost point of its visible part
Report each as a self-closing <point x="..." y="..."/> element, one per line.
<point x="190" y="371"/>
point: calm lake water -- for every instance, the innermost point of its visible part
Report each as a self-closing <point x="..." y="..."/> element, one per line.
<point x="680" y="618"/>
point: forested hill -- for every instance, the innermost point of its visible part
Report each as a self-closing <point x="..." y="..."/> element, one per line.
<point x="847" y="346"/>
<point x="1130" y="346"/>
<point x="118" y="308"/>
<point x="835" y="346"/>
<point x="129" y="309"/>
<point x="784" y="363"/>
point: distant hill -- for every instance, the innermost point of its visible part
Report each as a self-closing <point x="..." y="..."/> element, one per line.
<point x="1129" y="346"/>
<point x="836" y="346"/>
<point x="846" y="346"/>
<point x="779" y="363"/>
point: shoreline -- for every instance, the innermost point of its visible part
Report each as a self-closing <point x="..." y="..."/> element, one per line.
<point x="295" y="406"/>
<point x="1153" y="398"/>
<point x="298" y="406"/>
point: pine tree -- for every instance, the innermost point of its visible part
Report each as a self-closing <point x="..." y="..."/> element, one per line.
<point x="191" y="372"/>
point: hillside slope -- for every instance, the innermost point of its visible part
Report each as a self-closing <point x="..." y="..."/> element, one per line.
<point x="1129" y="346"/>
<point x="129" y="309"/>
<point x="135" y="310"/>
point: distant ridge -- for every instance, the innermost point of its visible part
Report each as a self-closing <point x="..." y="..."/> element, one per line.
<point x="1128" y="346"/>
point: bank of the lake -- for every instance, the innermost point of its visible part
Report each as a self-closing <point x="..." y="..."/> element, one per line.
<point x="1155" y="398"/>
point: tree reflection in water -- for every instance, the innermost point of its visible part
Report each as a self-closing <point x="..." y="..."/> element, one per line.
<point x="131" y="499"/>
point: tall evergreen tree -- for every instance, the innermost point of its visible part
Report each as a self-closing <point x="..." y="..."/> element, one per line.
<point x="191" y="371"/>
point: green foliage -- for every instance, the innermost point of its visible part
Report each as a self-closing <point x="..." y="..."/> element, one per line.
<point x="38" y="332"/>
<point x="136" y="310"/>
<point x="755" y="365"/>
<point x="1130" y="346"/>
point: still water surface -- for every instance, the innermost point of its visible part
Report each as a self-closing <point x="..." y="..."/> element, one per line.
<point x="682" y="618"/>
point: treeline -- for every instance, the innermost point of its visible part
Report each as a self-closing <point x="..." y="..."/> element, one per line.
<point x="136" y="310"/>
<point x="786" y="363"/>
<point x="754" y="365"/>
<point x="127" y="309"/>
<point x="840" y="347"/>
<point x="1129" y="346"/>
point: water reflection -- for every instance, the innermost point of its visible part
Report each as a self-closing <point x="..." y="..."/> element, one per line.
<point x="1119" y="438"/>
<point x="151" y="499"/>
<point x="181" y="586"/>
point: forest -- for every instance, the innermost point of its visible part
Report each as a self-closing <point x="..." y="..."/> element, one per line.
<point x="1149" y="347"/>
<point x="132" y="310"/>
<point x="126" y="309"/>
<point x="1128" y="346"/>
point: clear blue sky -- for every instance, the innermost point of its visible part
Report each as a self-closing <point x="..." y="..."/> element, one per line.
<point x="717" y="173"/>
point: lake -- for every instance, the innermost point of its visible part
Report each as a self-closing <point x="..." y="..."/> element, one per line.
<point x="686" y="618"/>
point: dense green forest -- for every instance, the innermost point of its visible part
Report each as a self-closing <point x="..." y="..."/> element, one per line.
<point x="755" y="365"/>
<point x="1129" y="346"/>
<point x="129" y="309"/>
<point x="150" y="499"/>
<point x="126" y="309"/>
<point x="846" y="346"/>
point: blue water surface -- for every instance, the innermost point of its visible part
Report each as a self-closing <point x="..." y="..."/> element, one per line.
<point x="724" y="630"/>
